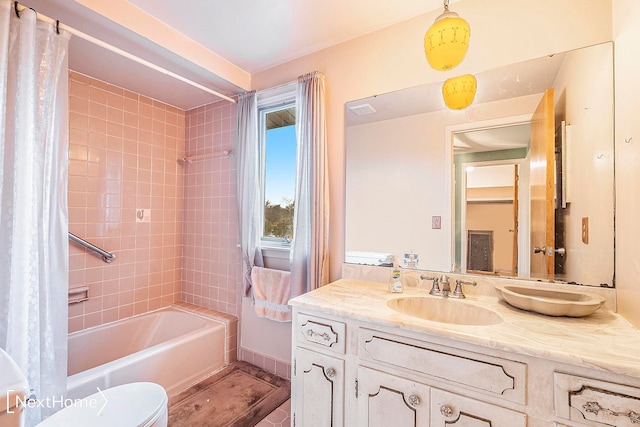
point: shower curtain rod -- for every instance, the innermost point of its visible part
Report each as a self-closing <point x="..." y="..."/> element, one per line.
<point x="126" y="54"/>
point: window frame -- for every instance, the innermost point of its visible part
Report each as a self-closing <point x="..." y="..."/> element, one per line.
<point x="279" y="98"/>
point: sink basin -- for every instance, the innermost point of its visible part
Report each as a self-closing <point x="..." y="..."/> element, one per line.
<point x="551" y="302"/>
<point x="445" y="310"/>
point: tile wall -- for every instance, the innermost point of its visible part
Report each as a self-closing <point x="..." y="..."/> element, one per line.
<point x="122" y="157"/>
<point x="211" y="274"/>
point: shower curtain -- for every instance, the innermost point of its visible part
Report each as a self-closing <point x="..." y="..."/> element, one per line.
<point x="33" y="208"/>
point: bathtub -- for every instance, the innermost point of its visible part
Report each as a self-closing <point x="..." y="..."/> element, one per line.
<point x="171" y="347"/>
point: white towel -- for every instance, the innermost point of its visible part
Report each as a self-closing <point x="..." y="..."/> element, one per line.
<point x="271" y="292"/>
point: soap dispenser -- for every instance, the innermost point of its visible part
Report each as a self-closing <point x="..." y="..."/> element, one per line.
<point x="411" y="260"/>
<point x="395" y="285"/>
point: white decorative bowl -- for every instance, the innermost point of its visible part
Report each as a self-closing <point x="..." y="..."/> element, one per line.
<point x="550" y="301"/>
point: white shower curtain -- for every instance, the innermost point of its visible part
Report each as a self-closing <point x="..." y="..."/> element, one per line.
<point x="310" y="246"/>
<point x="250" y="182"/>
<point x="33" y="196"/>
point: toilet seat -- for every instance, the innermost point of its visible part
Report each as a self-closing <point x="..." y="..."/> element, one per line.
<point x="136" y="404"/>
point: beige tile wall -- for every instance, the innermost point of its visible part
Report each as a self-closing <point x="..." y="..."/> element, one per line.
<point x="123" y="151"/>
<point x="211" y="274"/>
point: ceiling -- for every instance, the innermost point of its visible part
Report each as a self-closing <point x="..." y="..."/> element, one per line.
<point x="216" y="43"/>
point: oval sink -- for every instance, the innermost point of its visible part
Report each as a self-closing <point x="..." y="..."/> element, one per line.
<point x="445" y="310"/>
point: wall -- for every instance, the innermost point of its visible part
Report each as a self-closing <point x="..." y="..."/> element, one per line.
<point x="122" y="156"/>
<point x="503" y="32"/>
<point x="211" y="271"/>
<point x="627" y="128"/>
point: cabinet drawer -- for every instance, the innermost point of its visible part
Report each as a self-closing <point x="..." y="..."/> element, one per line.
<point x="449" y="409"/>
<point x="316" y="332"/>
<point x="600" y="403"/>
<point x="489" y="375"/>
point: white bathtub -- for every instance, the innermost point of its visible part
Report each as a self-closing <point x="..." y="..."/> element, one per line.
<point x="171" y="347"/>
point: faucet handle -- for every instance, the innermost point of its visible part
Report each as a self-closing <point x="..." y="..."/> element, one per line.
<point x="435" y="289"/>
<point x="457" y="293"/>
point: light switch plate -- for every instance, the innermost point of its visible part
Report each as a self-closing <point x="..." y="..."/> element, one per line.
<point x="436" y="222"/>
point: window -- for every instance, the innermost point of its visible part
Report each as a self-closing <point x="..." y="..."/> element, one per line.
<point x="278" y="137"/>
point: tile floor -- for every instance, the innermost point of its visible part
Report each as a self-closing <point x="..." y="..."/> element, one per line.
<point x="280" y="417"/>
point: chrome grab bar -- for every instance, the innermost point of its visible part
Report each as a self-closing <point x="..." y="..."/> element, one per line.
<point x="106" y="256"/>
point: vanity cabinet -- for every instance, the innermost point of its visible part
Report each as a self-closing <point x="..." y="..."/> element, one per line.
<point x="318" y="372"/>
<point x="359" y="363"/>
<point x="349" y="373"/>
<point x="318" y="383"/>
<point x="388" y="400"/>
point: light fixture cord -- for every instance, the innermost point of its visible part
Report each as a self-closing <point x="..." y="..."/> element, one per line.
<point x="446" y="5"/>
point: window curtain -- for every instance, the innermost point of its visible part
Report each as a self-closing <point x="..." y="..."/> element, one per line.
<point x="250" y="183"/>
<point x="309" y="248"/>
<point x="33" y="196"/>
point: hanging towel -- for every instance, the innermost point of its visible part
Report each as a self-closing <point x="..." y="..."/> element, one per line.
<point x="271" y="292"/>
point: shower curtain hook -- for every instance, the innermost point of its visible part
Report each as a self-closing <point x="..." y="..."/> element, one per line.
<point x="58" y="26"/>
<point x="15" y="7"/>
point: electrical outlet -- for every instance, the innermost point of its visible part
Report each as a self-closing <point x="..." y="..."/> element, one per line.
<point x="143" y="215"/>
<point x="436" y="222"/>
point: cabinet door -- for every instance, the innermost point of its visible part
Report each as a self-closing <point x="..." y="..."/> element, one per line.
<point x="318" y="397"/>
<point x="450" y="410"/>
<point x="385" y="400"/>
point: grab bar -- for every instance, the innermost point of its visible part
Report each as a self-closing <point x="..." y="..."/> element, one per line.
<point x="106" y="256"/>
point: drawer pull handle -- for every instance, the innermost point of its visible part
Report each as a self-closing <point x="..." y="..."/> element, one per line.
<point x="325" y="336"/>
<point x="446" y="410"/>
<point x="330" y="372"/>
<point x="413" y="400"/>
<point x="594" y="407"/>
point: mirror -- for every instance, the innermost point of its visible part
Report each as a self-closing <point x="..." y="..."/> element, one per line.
<point x="519" y="184"/>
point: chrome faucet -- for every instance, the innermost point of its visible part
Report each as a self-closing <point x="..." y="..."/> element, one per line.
<point x="435" y="289"/>
<point x="446" y="289"/>
<point x="457" y="293"/>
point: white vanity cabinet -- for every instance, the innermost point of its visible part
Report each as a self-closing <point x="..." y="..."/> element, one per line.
<point x="319" y="384"/>
<point x="358" y="364"/>
<point x="318" y="372"/>
<point x="388" y="400"/>
<point x="347" y="373"/>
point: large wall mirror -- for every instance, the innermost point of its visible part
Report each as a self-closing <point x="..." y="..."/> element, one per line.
<point x="519" y="184"/>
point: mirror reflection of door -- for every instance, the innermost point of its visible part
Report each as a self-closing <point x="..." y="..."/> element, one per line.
<point x="542" y="182"/>
<point x="491" y="217"/>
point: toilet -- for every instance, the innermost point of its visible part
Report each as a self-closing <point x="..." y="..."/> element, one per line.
<point x="140" y="404"/>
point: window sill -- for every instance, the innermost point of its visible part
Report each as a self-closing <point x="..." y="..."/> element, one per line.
<point x="274" y="250"/>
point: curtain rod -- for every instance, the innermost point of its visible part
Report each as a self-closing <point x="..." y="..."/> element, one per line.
<point x="125" y="54"/>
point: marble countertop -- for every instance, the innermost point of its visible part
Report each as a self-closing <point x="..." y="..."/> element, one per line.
<point x="604" y="340"/>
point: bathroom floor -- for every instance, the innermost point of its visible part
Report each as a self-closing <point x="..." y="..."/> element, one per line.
<point x="240" y="395"/>
<point x="280" y="417"/>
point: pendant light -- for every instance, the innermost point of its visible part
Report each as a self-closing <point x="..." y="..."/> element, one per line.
<point x="447" y="40"/>
<point x="459" y="92"/>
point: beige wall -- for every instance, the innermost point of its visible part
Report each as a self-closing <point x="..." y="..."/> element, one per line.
<point x="503" y="32"/>
<point x="627" y="34"/>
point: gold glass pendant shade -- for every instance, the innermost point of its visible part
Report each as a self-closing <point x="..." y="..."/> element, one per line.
<point x="447" y="41"/>
<point x="459" y="92"/>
